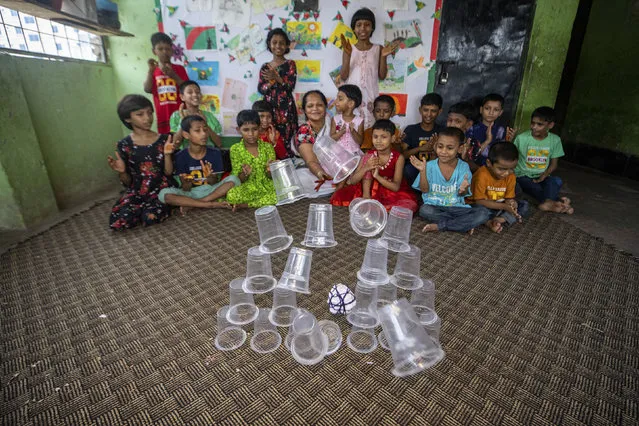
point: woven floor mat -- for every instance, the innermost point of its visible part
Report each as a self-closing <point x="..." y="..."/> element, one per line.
<point x="540" y="326"/>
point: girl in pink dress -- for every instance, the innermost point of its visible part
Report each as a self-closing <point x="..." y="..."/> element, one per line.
<point x="346" y="127"/>
<point x="364" y="63"/>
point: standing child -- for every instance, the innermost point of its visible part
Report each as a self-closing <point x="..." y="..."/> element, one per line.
<point x="199" y="168"/>
<point x="494" y="187"/>
<point x="419" y="139"/>
<point x="486" y="131"/>
<point x="191" y="97"/>
<point x="346" y="127"/>
<point x="539" y="153"/>
<point x="381" y="174"/>
<point x="444" y="183"/>
<point x="139" y="161"/>
<point x="268" y="132"/>
<point x="364" y="63"/>
<point x="383" y="109"/>
<point x="276" y="82"/>
<point x="250" y="159"/>
<point x="163" y="79"/>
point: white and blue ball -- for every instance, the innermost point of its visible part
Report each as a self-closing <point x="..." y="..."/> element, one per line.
<point x="340" y="299"/>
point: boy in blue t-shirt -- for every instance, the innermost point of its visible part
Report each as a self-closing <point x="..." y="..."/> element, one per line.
<point x="487" y="131"/>
<point x="444" y="183"/>
<point x="199" y="168"/>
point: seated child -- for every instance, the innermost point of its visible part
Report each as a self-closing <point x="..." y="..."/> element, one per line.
<point x="539" y="153"/>
<point x="383" y="109"/>
<point x="268" y="132"/>
<point x="346" y="127"/>
<point x="461" y="115"/>
<point x="486" y="131"/>
<point x="419" y="138"/>
<point x="250" y="159"/>
<point x="380" y="173"/>
<point x="139" y="162"/>
<point x="494" y="187"/>
<point x="191" y="100"/>
<point x="199" y="168"/>
<point x="444" y="183"/>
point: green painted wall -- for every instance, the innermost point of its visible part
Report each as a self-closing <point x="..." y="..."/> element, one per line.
<point x="549" y="39"/>
<point x="22" y="167"/>
<point x="72" y="107"/>
<point x="604" y="103"/>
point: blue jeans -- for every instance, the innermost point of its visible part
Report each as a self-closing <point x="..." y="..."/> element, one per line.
<point x="546" y="190"/>
<point x="522" y="209"/>
<point x="458" y="219"/>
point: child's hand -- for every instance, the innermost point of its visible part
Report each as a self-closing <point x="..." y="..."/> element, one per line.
<point x="466" y="150"/>
<point x="418" y="164"/>
<point x="376" y="173"/>
<point x="401" y="137"/>
<point x="167" y="69"/>
<point x="246" y="169"/>
<point x="390" y="49"/>
<point x="169" y="145"/>
<point x="489" y="134"/>
<point x="271" y="135"/>
<point x="464" y="185"/>
<point x="117" y="164"/>
<point x="270" y="73"/>
<point x="512" y="208"/>
<point x="340" y="130"/>
<point x="207" y="168"/>
<point x="187" y="181"/>
<point x="153" y="64"/>
<point x="541" y="178"/>
<point x="182" y="110"/>
<point x="346" y="45"/>
<point x="352" y="128"/>
<point x="510" y="134"/>
<point x="372" y="163"/>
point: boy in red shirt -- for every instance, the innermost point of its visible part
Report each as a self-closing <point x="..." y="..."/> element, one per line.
<point x="268" y="133"/>
<point x="163" y="79"/>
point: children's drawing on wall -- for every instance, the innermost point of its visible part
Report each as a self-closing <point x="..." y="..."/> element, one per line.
<point x="205" y="73"/>
<point x="342" y="29"/>
<point x="401" y="101"/>
<point x="261" y="6"/>
<point x="249" y="43"/>
<point x="337" y="79"/>
<point x="229" y="123"/>
<point x="199" y="5"/>
<point x="395" y="76"/>
<point x="211" y="103"/>
<point x="308" y="70"/>
<point x="306" y="35"/>
<point x="305" y="5"/>
<point x="417" y="66"/>
<point x="406" y="33"/>
<point x="200" y="38"/>
<point x="232" y="12"/>
<point x="234" y="94"/>
<point x="396" y="4"/>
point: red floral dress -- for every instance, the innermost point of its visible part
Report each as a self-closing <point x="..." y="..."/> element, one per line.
<point x="140" y="203"/>
<point x="281" y="98"/>
<point x="404" y="197"/>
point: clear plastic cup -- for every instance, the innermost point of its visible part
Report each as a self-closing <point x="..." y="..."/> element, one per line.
<point x="333" y="333"/>
<point x="432" y="323"/>
<point x="407" y="269"/>
<point x="362" y="340"/>
<point x="284" y="307"/>
<point x="374" y="268"/>
<point x="381" y="340"/>
<point x="297" y="272"/>
<point x="242" y="309"/>
<point x="319" y="226"/>
<point x="309" y="344"/>
<point x="259" y="273"/>
<point x="368" y="217"/>
<point x="386" y="293"/>
<point x="229" y="336"/>
<point x="273" y="237"/>
<point x="412" y="349"/>
<point x="364" y="314"/>
<point x="397" y="231"/>
<point x="265" y="335"/>
<point x="335" y="159"/>
<point x="288" y="187"/>
<point x="423" y="298"/>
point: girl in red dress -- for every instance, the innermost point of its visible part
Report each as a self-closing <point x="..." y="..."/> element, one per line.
<point x="379" y="175"/>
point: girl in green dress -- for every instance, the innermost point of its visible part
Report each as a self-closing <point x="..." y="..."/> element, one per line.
<point x="250" y="160"/>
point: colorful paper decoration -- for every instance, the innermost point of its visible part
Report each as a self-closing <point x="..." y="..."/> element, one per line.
<point x="304" y="53"/>
<point x="172" y="10"/>
<point x="316" y="14"/>
<point x="338" y="17"/>
<point x="200" y="38"/>
<point x="420" y="5"/>
<point x="231" y="58"/>
<point x="324" y="40"/>
<point x="225" y="29"/>
<point x="345" y="3"/>
<point x="183" y="23"/>
<point x="391" y="14"/>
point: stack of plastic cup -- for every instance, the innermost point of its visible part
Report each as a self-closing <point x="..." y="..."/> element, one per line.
<point x="367" y="217"/>
<point x="364" y="314"/>
<point x="432" y="323"/>
<point x="309" y="344"/>
<point x="397" y="231"/>
<point x="407" y="269"/>
<point x="259" y="274"/>
<point x="284" y="307"/>
<point x="386" y="293"/>
<point x="265" y="335"/>
<point x="242" y="309"/>
<point x="374" y="267"/>
<point x="332" y="331"/>
<point x="229" y="336"/>
<point x="273" y="237"/>
<point x="362" y="340"/>
<point x="319" y="226"/>
<point x="297" y="272"/>
<point x="335" y="159"/>
<point x="287" y="184"/>
<point x="412" y="349"/>
<point x="423" y="298"/>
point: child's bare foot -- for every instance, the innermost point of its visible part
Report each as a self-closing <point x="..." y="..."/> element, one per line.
<point x="471" y="232"/>
<point x="565" y="200"/>
<point x="431" y="227"/>
<point x="552" y="206"/>
<point x="567" y="209"/>
<point x="219" y="205"/>
<point x="496" y="224"/>
<point x="184" y="210"/>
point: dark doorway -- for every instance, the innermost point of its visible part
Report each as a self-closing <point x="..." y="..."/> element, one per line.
<point x="481" y="50"/>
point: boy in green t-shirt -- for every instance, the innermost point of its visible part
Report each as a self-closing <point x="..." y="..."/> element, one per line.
<point x="191" y="97"/>
<point x="539" y="153"/>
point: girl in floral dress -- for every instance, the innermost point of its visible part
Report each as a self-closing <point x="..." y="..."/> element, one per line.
<point x="276" y="82"/>
<point x="140" y="164"/>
